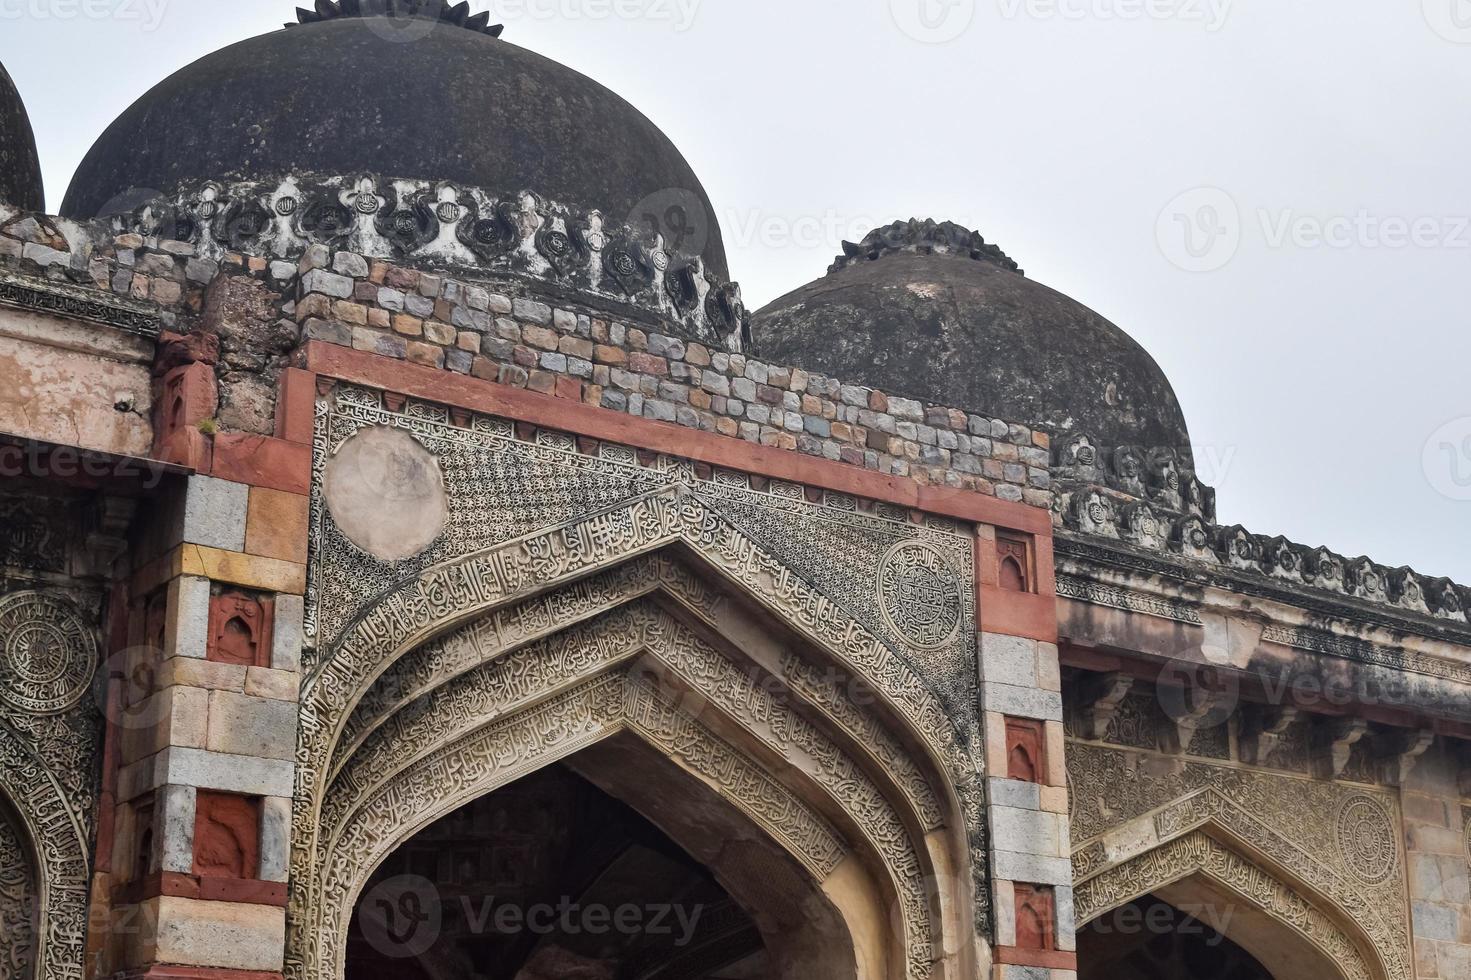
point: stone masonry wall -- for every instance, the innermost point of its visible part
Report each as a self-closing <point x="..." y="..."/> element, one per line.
<point x="508" y="332"/>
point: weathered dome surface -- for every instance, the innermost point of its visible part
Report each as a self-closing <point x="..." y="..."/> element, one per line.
<point x="345" y="95"/>
<point x="20" y="167"/>
<point x="930" y="311"/>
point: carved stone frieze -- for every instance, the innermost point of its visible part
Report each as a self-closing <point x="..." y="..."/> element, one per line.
<point x="77" y="303"/>
<point x="1129" y="600"/>
<point x="1350" y="648"/>
<point x="448" y="224"/>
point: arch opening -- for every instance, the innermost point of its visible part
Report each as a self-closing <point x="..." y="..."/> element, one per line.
<point x="1150" y="939"/>
<point x="608" y="864"/>
<point x="1213" y="889"/>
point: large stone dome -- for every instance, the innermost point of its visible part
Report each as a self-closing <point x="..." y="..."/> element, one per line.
<point x="931" y="311"/>
<point x="428" y="93"/>
<point x="20" y="167"/>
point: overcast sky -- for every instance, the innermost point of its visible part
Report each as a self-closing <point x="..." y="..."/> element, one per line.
<point x="1270" y="195"/>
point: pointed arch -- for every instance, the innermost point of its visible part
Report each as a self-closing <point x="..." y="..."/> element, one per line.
<point x="47" y="835"/>
<point x="467" y="695"/>
<point x="1287" y="930"/>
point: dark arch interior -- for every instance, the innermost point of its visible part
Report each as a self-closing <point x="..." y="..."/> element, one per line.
<point x="1151" y="940"/>
<point x="549" y="878"/>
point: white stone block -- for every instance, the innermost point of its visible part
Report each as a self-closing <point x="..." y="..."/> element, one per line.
<point x="226" y="773"/>
<point x="173" y="823"/>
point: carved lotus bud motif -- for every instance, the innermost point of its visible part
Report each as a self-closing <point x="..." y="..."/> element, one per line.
<point x="1280" y="557"/>
<point x="1240" y="548"/>
<point x="1078" y="457"/>
<point x="1143" y="527"/>
<point x="1128" y="471"/>
<point x="1326" y="569"/>
<point x="1193" y="538"/>
<point x="1366" y="581"/>
<point x="1094" y="514"/>
<point x="1408" y="593"/>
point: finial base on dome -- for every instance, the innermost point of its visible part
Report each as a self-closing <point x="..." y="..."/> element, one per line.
<point x="458" y="14"/>
<point x="917" y="236"/>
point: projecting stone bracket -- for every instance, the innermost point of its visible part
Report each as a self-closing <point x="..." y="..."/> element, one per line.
<point x="1398" y="753"/>
<point x="1263" y="727"/>
<point x="1099" y="701"/>
<point x="1333" y="744"/>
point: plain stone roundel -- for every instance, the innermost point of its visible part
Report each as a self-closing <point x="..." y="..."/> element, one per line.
<point x="385" y="492"/>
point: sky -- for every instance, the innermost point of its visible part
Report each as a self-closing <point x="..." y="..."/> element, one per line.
<point x="1271" y="196"/>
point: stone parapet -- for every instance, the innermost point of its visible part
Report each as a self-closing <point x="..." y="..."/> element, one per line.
<point x="239" y="315"/>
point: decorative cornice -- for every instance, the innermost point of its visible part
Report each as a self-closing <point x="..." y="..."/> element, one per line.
<point x="61" y="299"/>
<point x="1116" y="597"/>
<point x="448" y="225"/>
<point x="925" y="237"/>
<point x="1173" y="567"/>
<point x="1151" y="501"/>
<point x="1362" y="651"/>
<point x="458" y="15"/>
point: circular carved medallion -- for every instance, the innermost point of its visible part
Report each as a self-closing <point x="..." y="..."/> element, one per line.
<point x="1366" y="839"/>
<point x="386" y="493"/>
<point x="920" y="596"/>
<point x="48" y="655"/>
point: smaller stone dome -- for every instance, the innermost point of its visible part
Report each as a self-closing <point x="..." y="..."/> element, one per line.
<point x="20" y="166"/>
<point x="932" y="311"/>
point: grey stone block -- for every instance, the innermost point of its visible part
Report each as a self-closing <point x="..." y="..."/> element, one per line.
<point x="1008" y="660"/>
<point x="286" y="639"/>
<point x="186" y="629"/>
<point x="214" y="513"/>
<point x="327" y="283"/>
<point x="1011" y="866"/>
<point x="1015" y="793"/>
<point x="275" y="839"/>
<point x="1022" y="702"/>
